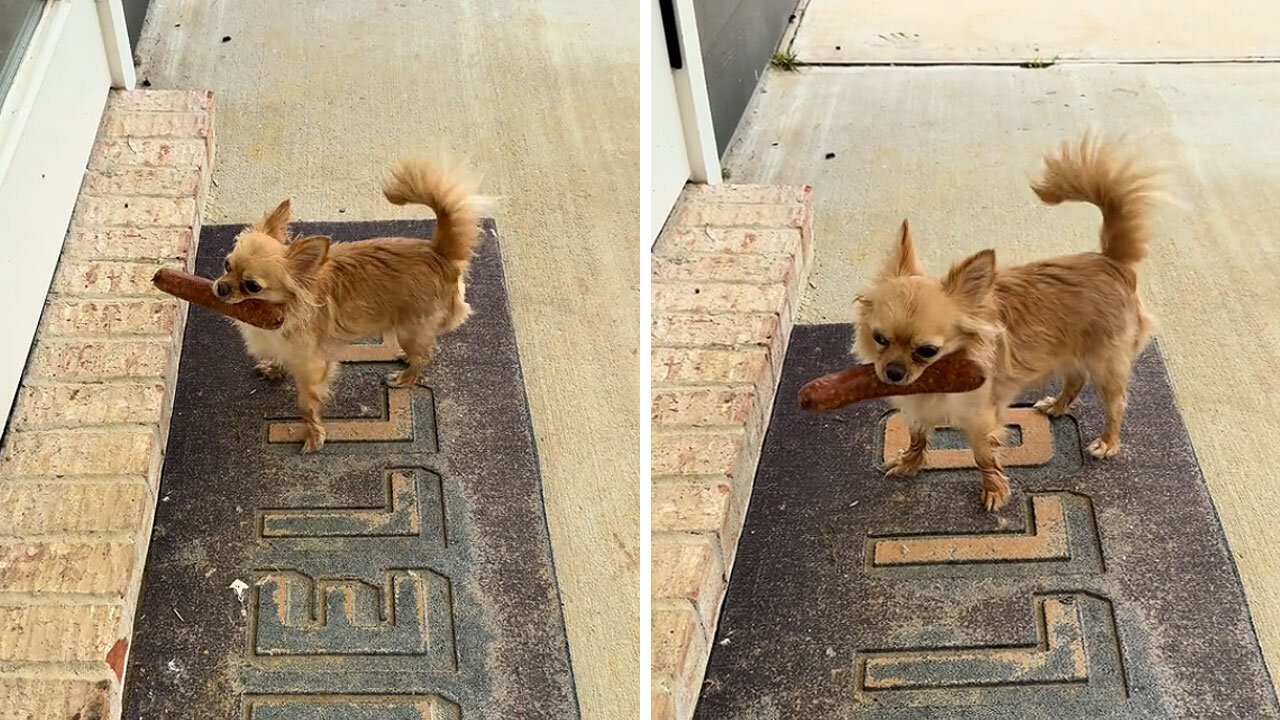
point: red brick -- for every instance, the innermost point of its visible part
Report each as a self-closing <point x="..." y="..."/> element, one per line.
<point x="686" y="329"/>
<point x="687" y="567"/>
<point x="42" y="507"/>
<point x="60" y="633"/>
<point x="680" y="241"/>
<point x="679" y="650"/>
<point x="147" y="123"/>
<point x="83" y="404"/>
<point x="116" y="152"/>
<point x="159" y="100"/>
<point x="752" y="194"/>
<point x="69" y="316"/>
<point x="701" y="407"/>
<point x="154" y="181"/>
<point x="696" y="453"/>
<point x="108" y="278"/>
<point x="707" y="366"/>
<point x="134" y="211"/>
<point x="53" y="698"/>
<point x="60" y="566"/>
<point x="759" y="269"/>
<point x="739" y="215"/>
<point x="716" y="298"/>
<point x="81" y="453"/>
<point x="152" y="245"/>
<point x="690" y="505"/>
<point x="80" y="361"/>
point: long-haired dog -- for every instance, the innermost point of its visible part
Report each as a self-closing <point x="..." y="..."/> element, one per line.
<point x="336" y="293"/>
<point x="1077" y="318"/>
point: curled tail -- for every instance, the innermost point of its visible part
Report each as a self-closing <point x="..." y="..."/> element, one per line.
<point x="1092" y="171"/>
<point x="448" y="193"/>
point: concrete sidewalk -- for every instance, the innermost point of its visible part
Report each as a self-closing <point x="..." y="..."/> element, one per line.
<point x="953" y="148"/>
<point x="317" y="98"/>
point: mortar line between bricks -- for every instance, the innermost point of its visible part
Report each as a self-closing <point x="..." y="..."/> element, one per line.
<point x="115" y="428"/>
<point x="700" y="478"/>
<point x="717" y="281"/>
<point x="704" y="385"/>
<point x="73" y="479"/>
<point x="86" y="671"/>
<point x="73" y="335"/>
<point x="73" y="536"/>
<point x="762" y="346"/>
<point x="697" y="254"/>
<point x="685" y="427"/>
<point x="674" y="433"/>
<point x="112" y="381"/>
<point x="74" y="426"/>
<point x="710" y="535"/>
<point x="133" y="196"/>
<point x="44" y="597"/>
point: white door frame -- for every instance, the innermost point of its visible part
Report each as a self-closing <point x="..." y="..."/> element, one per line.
<point x="48" y="122"/>
<point x="695" y="104"/>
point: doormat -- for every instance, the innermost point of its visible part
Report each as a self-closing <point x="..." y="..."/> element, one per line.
<point x="1103" y="589"/>
<point x="402" y="573"/>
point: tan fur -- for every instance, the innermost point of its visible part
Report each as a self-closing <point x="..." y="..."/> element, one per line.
<point x="1077" y="318"/>
<point x="336" y="293"/>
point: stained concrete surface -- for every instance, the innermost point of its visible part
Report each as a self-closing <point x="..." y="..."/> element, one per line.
<point x="954" y="148"/>
<point x="1000" y="31"/>
<point x="316" y="97"/>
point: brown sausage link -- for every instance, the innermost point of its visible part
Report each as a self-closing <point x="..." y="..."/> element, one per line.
<point x="951" y="374"/>
<point x="198" y="290"/>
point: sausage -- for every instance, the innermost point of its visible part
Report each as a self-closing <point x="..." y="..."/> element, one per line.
<point x="198" y="290"/>
<point x="951" y="374"/>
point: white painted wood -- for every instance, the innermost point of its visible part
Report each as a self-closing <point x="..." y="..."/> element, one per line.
<point x="669" y="156"/>
<point x="115" y="38"/>
<point x="695" y="105"/>
<point x="48" y="123"/>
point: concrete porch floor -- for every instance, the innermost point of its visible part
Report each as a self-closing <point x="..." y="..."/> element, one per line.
<point x="953" y="148"/>
<point x="317" y="98"/>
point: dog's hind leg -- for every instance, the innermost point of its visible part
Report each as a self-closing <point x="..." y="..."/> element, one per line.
<point x="1112" y="380"/>
<point x="419" y="343"/>
<point x="1060" y="405"/>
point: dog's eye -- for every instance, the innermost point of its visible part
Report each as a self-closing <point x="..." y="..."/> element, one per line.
<point x="226" y="265"/>
<point x="926" y="351"/>
<point x="881" y="340"/>
<point x="250" y="287"/>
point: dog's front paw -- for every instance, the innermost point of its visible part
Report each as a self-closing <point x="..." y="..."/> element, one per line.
<point x="995" y="490"/>
<point x="904" y="465"/>
<point x="1052" y="407"/>
<point x="269" y="370"/>
<point x="314" y="440"/>
<point x="1103" y="448"/>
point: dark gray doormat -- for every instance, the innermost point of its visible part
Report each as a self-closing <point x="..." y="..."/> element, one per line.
<point x="1104" y="589"/>
<point x="404" y="572"/>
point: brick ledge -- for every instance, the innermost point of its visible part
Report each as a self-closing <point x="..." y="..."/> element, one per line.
<point x="727" y="275"/>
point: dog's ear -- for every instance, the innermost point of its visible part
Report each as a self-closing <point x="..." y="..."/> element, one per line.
<point x="306" y="254"/>
<point x="276" y="223"/>
<point x="970" y="280"/>
<point x="902" y="261"/>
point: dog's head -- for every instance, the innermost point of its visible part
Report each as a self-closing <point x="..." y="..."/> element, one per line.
<point x="907" y="320"/>
<point x="267" y="264"/>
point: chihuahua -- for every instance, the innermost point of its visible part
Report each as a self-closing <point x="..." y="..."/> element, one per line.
<point x="1077" y="318"/>
<point x="336" y="293"/>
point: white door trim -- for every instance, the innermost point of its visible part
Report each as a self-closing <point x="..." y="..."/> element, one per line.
<point x="695" y="104"/>
<point x="49" y="120"/>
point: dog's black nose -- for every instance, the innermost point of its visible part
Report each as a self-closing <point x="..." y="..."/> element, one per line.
<point x="895" y="372"/>
<point x="221" y="289"/>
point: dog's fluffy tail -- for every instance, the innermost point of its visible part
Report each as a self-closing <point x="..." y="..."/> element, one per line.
<point x="1092" y="171"/>
<point x="449" y="193"/>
